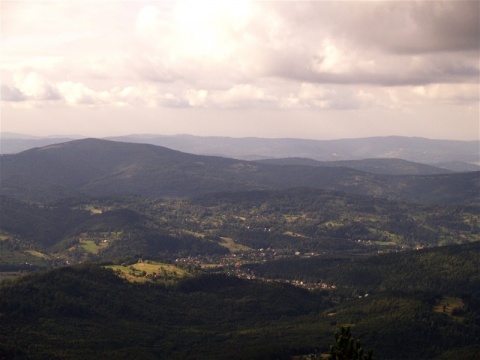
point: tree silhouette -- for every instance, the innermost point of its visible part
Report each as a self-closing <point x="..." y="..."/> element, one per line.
<point x="347" y="348"/>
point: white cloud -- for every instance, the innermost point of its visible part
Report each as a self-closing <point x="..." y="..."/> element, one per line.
<point x="241" y="54"/>
<point x="453" y="94"/>
<point x="244" y="96"/>
<point x="35" y="87"/>
<point x="78" y="93"/>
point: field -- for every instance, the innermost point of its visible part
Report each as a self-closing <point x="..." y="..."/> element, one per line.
<point x="38" y="254"/>
<point x="10" y="254"/>
<point x="94" y="242"/>
<point x="231" y="245"/>
<point x="91" y="247"/>
<point x="453" y="307"/>
<point x="149" y="271"/>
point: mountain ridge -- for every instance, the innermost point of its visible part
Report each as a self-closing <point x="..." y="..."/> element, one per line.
<point x="423" y="150"/>
<point x="381" y="166"/>
<point x="97" y="167"/>
<point x="408" y="148"/>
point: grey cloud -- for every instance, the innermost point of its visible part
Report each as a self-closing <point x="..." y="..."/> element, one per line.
<point x="412" y="27"/>
<point x="389" y="71"/>
<point x="408" y="42"/>
<point x="15" y="95"/>
<point x="399" y="27"/>
<point x="443" y="26"/>
<point x="11" y="94"/>
<point x="153" y="69"/>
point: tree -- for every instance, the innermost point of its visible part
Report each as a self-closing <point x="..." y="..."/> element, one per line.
<point x="347" y="348"/>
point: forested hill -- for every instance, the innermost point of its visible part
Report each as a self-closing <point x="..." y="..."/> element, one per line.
<point x="87" y="312"/>
<point x="298" y="219"/>
<point x="450" y="154"/>
<point x="415" y="149"/>
<point x="451" y="270"/>
<point x="374" y="166"/>
<point x="92" y="167"/>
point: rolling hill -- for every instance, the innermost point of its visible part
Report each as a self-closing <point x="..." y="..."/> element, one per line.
<point x="415" y="149"/>
<point x="374" y="166"/>
<point x="88" y="312"/>
<point x="449" y="154"/>
<point x="75" y="202"/>
<point x="93" y="167"/>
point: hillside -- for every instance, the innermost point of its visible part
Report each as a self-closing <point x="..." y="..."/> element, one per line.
<point x="212" y="227"/>
<point x="408" y="148"/>
<point x="457" y="166"/>
<point x="444" y="270"/>
<point x="146" y="252"/>
<point x="374" y="166"/>
<point x="70" y="233"/>
<point x="87" y="311"/>
<point x="316" y="220"/>
<point x="92" y="167"/>
<point x="428" y="151"/>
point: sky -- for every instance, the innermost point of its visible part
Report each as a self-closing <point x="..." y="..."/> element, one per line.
<point x="240" y="68"/>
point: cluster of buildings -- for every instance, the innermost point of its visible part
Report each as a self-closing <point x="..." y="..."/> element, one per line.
<point x="232" y="265"/>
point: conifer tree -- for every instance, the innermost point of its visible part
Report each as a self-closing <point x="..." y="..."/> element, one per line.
<point x="347" y="348"/>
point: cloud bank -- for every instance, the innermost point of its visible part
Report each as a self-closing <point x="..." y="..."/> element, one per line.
<point x="241" y="54"/>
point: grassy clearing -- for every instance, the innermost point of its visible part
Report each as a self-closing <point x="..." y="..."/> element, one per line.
<point x="294" y="234"/>
<point x="450" y="306"/>
<point x="93" y="210"/>
<point x="474" y="237"/>
<point x="91" y="247"/>
<point x="38" y="254"/>
<point x="95" y="242"/>
<point x="332" y="224"/>
<point x="291" y="218"/>
<point x="17" y="256"/>
<point x="241" y="218"/>
<point x="231" y="245"/>
<point x="149" y="271"/>
<point x="392" y="238"/>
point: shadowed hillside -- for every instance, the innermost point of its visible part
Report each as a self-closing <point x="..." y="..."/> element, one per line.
<point x="88" y="312"/>
<point x="408" y="148"/>
<point x="450" y="154"/>
<point x="92" y="167"/>
<point x="374" y="166"/>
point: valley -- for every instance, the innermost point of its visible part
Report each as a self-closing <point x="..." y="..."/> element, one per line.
<point x="134" y="250"/>
<point x="239" y="180"/>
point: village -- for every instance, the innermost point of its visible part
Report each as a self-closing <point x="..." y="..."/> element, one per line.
<point x="236" y="264"/>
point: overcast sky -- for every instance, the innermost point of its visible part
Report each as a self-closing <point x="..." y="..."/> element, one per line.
<point x="303" y="69"/>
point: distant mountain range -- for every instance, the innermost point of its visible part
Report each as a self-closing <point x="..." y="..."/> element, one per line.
<point x="373" y="166"/>
<point x="94" y="167"/>
<point x="447" y="154"/>
<point x="421" y="150"/>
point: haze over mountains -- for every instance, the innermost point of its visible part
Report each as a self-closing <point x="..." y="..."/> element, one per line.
<point x="380" y="166"/>
<point x="446" y="154"/>
<point x="407" y="148"/>
<point x="93" y="167"/>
